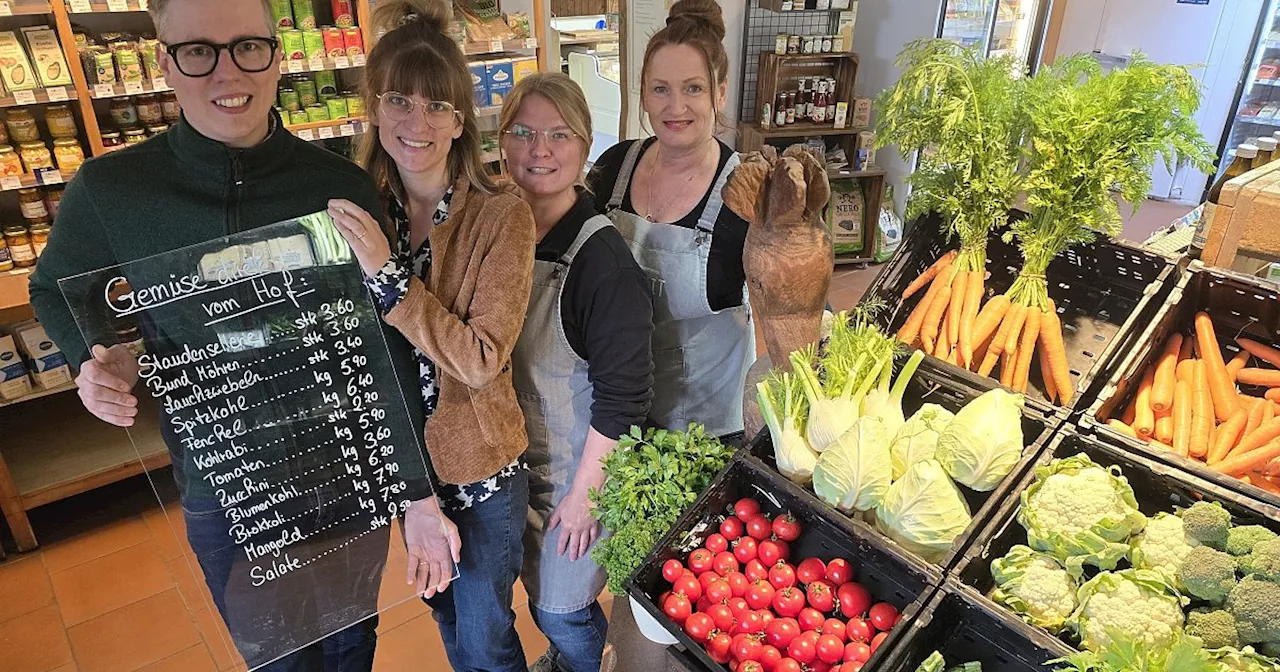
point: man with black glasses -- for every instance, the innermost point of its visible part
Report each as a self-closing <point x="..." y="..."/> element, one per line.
<point x="228" y="166"/>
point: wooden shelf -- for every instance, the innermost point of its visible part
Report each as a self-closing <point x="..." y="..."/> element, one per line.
<point x="24" y="7"/>
<point x="799" y="130"/>
<point x="105" y="91"/>
<point x="86" y="7"/>
<point x="28" y="181"/>
<point x="56" y="94"/>
<point x="323" y="130"/>
<point x="814" y="57"/>
<point x="853" y="258"/>
<point x="294" y="67"/>
<point x="498" y="46"/>
<point x="843" y="174"/>
<point x="40" y="393"/>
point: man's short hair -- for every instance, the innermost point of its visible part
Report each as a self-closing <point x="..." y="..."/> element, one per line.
<point x="157" y="9"/>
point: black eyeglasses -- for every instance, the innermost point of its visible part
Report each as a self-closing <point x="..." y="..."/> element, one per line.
<point x="199" y="58"/>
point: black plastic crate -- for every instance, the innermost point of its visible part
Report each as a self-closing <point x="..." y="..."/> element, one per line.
<point x="1104" y="291"/>
<point x="1239" y="305"/>
<point x="889" y="576"/>
<point x="1156" y="487"/>
<point x="938" y="383"/>
<point x="965" y="629"/>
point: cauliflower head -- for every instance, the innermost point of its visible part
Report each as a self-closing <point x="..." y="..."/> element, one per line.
<point x="1215" y="628"/>
<point x="1133" y="603"/>
<point x="1255" y="604"/>
<point x="1207" y="574"/>
<point x="1242" y="539"/>
<point x="1036" y="587"/>
<point x="1080" y="513"/>
<point x="1209" y="523"/>
<point x="1162" y="546"/>
<point x="1263" y="561"/>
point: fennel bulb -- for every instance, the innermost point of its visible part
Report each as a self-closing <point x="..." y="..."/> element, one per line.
<point x="854" y="473"/>
<point x="785" y="393"/>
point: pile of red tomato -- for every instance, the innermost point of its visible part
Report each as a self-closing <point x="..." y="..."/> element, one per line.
<point x="747" y="605"/>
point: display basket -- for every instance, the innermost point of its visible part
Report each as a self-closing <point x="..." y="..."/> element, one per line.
<point x="1239" y="305"/>
<point x="1105" y="292"/>
<point x="888" y="575"/>
<point x="951" y="388"/>
<point x="1157" y="487"/>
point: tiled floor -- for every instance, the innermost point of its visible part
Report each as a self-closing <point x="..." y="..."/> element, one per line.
<point x="113" y="587"/>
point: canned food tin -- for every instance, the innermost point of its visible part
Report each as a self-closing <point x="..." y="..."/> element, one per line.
<point x="298" y="117"/>
<point x="326" y="81"/>
<point x="313" y="43"/>
<point x="333" y="43"/>
<point x="282" y="14"/>
<point x="780" y="44"/>
<point x="337" y="108"/>
<point x="354" y="40"/>
<point x="793" y="44"/>
<point x="808" y="44"/>
<point x="304" y="15"/>
<point x="306" y="90"/>
<point x="837" y="44"/>
<point x="289" y="100"/>
<point x="826" y="44"/>
<point x="355" y="105"/>
<point x="344" y="14"/>
<point x="317" y="112"/>
<point x="292" y="45"/>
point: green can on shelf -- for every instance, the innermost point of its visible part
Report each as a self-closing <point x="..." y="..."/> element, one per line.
<point x="355" y="104"/>
<point x="304" y="15"/>
<point x="299" y="117"/>
<point x="326" y="82"/>
<point x="293" y="46"/>
<point x="282" y="14"/>
<point x="306" y="92"/>
<point x="317" y="112"/>
<point x="337" y="108"/>
<point x="313" y="43"/>
<point x="289" y="100"/>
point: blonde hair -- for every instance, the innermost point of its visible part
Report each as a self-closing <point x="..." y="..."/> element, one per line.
<point x="416" y="56"/>
<point x="562" y="92"/>
<point x="698" y="24"/>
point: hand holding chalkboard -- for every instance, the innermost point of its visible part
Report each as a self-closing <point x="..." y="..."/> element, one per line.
<point x="361" y="232"/>
<point x="106" y="385"/>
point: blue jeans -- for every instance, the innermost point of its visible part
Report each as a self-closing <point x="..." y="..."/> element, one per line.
<point x="475" y="617"/>
<point x="577" y="637"/>
<point x="277" y="624"/>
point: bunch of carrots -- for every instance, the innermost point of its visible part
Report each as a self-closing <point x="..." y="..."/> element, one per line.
<point x="1189" y="403"/>
<point x="951" y="324"/>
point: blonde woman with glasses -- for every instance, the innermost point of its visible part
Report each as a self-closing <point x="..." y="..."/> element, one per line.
<point x="455" y="280"/>
<point x="583" y="367"/>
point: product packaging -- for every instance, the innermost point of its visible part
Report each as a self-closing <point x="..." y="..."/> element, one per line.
<point x="14" y="383"/>
<point x="501" y="78"/>
<point x="50" y="63"/>
<point x="45" y="361"/>
<point x="15" y="70"/>
<point x="846" y="215"/>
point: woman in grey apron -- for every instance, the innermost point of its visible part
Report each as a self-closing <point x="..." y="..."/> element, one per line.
<point x="582" y="367"/>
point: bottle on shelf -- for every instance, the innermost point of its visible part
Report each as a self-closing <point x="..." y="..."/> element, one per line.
<point x="1241" y="164"/>
<point x="1266" y="151"/>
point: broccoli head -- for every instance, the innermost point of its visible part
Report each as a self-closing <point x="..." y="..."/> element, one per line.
<point x="1215" y="628"/>
<point x="1208" y="523"/>
<point x="1264" y="561"/>
<point x="1255" y="604"/>
<point x="1242" y="539"/>
<point x="1207" y="574"/>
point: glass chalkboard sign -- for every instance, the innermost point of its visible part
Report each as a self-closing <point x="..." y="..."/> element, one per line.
<point x="289" y="435"/>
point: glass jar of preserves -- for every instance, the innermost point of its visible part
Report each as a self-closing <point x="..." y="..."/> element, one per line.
<point x="22" y="126"/>
<point x="123" y="113"/>
<point x="149" y="111"/>
<point x="169" y="107"/>
<point x="32" y="204"/>
<point x="10" y="162"/>
<point x="112" y="141"/>
<point x="35" y="155"/>
<point x="68" y="153"/>
<point x="6" y="261"/>
<point x="4" y="134"/>
<point x="53" y="199"/>
<point x="61" y="122"/>
<point x="134" y="136"/>
<point x="39" y="238"/>
<point x="20" y="250"/>
<point x="157" y="129"/>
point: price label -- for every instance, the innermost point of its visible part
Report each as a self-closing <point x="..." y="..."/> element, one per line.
<point x="296" y="66"/>
<point x="5" y="9"/>
<point x="10" y="183"/>
<point x="347" y="130"/>
<point x="81" y="6"/>
<point x="133" y="88"/>
<point x="104" y="90"/>
<point x="342" y="62"/>
<point x="48" y="176"/>
<point x="316" y="64"/>
<point x="307" y="134"/>
<point x="24" y="97"/>
<point x="531" y="43"/>
<point x="326" y="132"/>
<point x="357" y="60"/>
<point x="495" y="45"/>
<point x="159" y="84"/>
<point x="117" y="6"/>
<point x="57" y="93"/>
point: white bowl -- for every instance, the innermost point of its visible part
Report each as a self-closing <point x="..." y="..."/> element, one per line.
<point x="649" y="626"/>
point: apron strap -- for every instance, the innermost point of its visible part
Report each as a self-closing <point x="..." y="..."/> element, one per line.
<point x="711" y="213"/>
<point x="589" y="228"/>
<point x="624" y="175"/>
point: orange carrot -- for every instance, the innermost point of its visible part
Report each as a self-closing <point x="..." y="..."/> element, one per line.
<point x="1001" y="338"/>
<point x="1164" y="427"/>
<point x="1018" y="313"/>
<point x="1166" y="374"/>
<point x="1122" y="428"/>
<point x="943" y="345"/>
<point x="1026" y="350"/>
<point x="1144" y="422"/>
<point x="980" y="354"/>
<point x="1273" y="394"/>
<point x="1201" y="412"/>
<point x="1228" y="435"/>
<point x="1130" y="414"/>
<point x="1241" y="463"/>
<point x="969" y="316"/>
<point x="989" y="319"/>
<point x="1216" y="377"/>
<point x="1182" y="417"/>
<point x="1046" y="376"/>
<point x="1256" y="415"/>
<point x="1268" y="412"/>
<point x="929" y="274"/>
<point x="1186" y="368"/>
<point x="1007" y="365"/>
<point x="1238" y="362"/>
<point x="933" y="318"/>
<point x="911" y="330"/>
<point x="1264" y="434"/>
<point x="1187" y="350"/>
<point x="1262" y="481"/>
<point x="1056" y="352"/>
<point x="1260" y="350"/>
<point x="1265" y="377"/>
<point x="956" y="310"/>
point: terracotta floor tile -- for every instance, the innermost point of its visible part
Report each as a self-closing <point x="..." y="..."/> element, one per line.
<point x="101" y="541"/>
<point x="24" y="585"/>
<point x="218" y="640"/>
<point x="415" y="645"/>
<point x="169" y="533"/>
<point x="194" y="659"/>
<point x="110" y="582"/>
<point x="141" y="633"/>
<point x="186" y="573"/>
<point x="69" y="667"/>
<point x="34" y="642"/>
<point x="531" y="638"/>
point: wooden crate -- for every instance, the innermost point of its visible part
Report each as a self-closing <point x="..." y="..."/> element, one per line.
<point x="583" y="7"/>
<point x="1245" y="222"/>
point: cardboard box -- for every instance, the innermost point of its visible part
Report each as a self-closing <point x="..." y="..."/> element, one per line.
<point x="862" y="113"/>
<point x="480" y="85"/>
<point x="845" y="24"/>
<point x="15" y="69"/>
<point x="523" y="67"/>
<point x="46" y="54"/>
<point x="14" y="383"/>
<point x="501" y="76"/>
<point x="45" y="362"/>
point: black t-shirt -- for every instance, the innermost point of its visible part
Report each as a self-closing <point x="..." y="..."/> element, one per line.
<point x="725" y="274"/>
<point x="607" y="313"/>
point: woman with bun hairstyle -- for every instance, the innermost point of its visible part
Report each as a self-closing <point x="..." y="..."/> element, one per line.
<point x="583" y="370"/>
<point x="663" y="195"/>
<point x="455" y="281"/>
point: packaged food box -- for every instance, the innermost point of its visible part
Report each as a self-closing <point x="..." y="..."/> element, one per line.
<point x="13" y="373"/>
<point x="15" y="69"/>
<point x="480" y="84"/>
<point x="148" y="51"/>
<point x="501" y="78"/>
<point x="46" y="53"/>
<point x="847" y="215"/>
<point x="128" y="62"/>
<point x="861" y="112"/>
<point x="523" y="67"/>
<point x="45" y="361"/>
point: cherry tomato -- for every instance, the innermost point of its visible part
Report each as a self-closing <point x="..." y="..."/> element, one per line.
<point x="745" y="508"/>
<point x="759" y="528"/>
<point x="672" y="570"/>
<point x="751" y="666"/>
<point x="746" y="549"/>
<point x="738" y="583"/>
<point x="766" y="615"/>
<point x="699" y="627"/>
<point x="719" y="591"/>
<point x="839" y="572"/>
<point x="751" y="622"/>
<point x="782" y="576"/>
<point x="852" y="666"/>
<point x="854" y="600"/>
<point x="819" y="666"/>
<point x="760" y="594"/>
<point x="859" y="630"/>
<point x="746" y="647"/>
<point x="702" y="605"/>
<point x="662" y="599"/>
<point x="689" y="587"/>
<point x="788" y="664"/>
<point x="884" y="616"/>
<point x="811" y="620"/>
<point x="810" y="570"/>
<point x="830" y="649"/>
<point x="804" y="648"/>
<point x="716" y="543"/>
<point x="772" y="552"/>
<point x="732" y="528"/>
<point x="836" y="627"/>
<point x="875" y="641"/>
<point x="788" y="602"/>
<point x="718" y="647"/>
<point x="769" y="658"/>
<point x="821" y="597"/>
<point x="738" y="606"/>
<point x="757" y="570"/>
<point x="781" y="631"/>
<point x="722" y="616"/>
<point x="677" y="608"/>
<point x="700" y="560"/>
<point x="857" y="652"/>
<point x="706" y="579"/>
<point x="725" y="563"/>
<point x="786" y="527"/>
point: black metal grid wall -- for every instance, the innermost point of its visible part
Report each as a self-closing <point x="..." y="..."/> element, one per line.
<point x="760" y="30"/>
